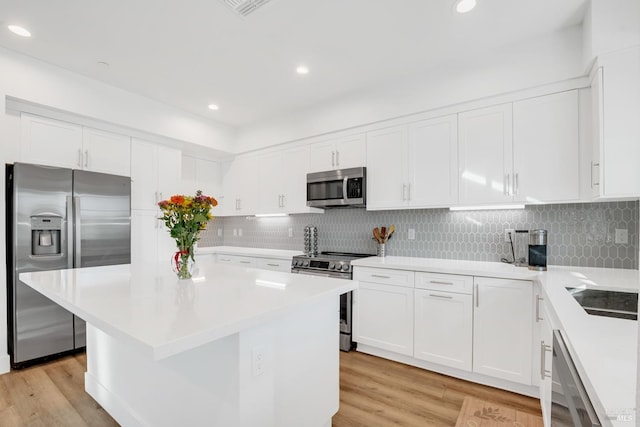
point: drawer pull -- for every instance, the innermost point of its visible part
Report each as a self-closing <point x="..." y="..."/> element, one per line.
<point x="225" y="260"/>
<point x="437" y="282"/>
<point x="380" y="277"/>
<point x="441" y="296"/>
<point x="273" y="265"/>
<point x="245" y="262"/>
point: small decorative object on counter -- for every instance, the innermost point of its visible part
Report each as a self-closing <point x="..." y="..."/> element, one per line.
<point x="311" y="241"/>
<point x="382" y="235"/>
<point x="538" y="250"/>
<point x="186" y="217"/>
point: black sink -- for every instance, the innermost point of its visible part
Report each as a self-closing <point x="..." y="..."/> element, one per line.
<point x="623" y="305"/>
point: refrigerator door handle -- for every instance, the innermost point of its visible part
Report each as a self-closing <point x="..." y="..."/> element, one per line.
<point x="76" y="232"/>
<point x="69" y="231"/>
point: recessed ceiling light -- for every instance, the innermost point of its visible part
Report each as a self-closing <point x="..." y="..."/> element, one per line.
<point x="464" y="6"/>
<point x="213" y="107"/>
<point x="16" y="29"/>
<point x="302" y="69"/>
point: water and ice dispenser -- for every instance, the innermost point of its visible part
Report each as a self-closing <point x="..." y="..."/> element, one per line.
<point x="45" y="235"/>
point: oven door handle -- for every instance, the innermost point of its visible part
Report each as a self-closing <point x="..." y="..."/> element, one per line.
<point x="317" y="273"/>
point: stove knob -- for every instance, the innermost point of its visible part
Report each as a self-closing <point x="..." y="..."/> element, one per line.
<point x="345" y="267"/>
<point x="332" y="266"/>
<point x="305" y="264"/>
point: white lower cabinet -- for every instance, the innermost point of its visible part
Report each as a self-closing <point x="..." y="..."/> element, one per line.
<point x="385" y="317"/>
<point x="236" y="260"/>
<point x="503" y="327"/>
<point x="383" y="309"/>
<point x="546" y="360"/>
<point x="443" y="331"/>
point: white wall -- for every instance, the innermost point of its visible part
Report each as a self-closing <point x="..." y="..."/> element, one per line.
<point x="38" y="82"/>
<point x="543" y="60"/>
<point x="610" y="25"/>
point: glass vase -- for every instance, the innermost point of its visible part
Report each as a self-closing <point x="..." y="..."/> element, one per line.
<point x="182" y="263"/>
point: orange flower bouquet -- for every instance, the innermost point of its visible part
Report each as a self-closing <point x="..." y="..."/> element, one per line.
<point x="186" y="217"/>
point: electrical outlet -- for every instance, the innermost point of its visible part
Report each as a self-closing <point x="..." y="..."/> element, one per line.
<point x="257" y="361"/>
<point x="240" y="232"/>
<point x="291" y="232"/>
<point x="622" y="236"/>
<point x="412" y="234"/>
<point x="506" y="234"/>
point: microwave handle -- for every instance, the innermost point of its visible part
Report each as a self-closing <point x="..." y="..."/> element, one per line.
<point x="345" y="188"/>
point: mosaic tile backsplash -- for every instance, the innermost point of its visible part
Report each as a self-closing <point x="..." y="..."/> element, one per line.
<point x="579" y="234"/>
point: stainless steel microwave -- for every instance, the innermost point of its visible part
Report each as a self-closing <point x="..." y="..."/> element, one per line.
<point x="337" y="188"/>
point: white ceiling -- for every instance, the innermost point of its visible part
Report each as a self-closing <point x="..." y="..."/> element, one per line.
<point x="194" y="52"/>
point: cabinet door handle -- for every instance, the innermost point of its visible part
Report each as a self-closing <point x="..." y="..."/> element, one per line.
<point x="79" y="157"/>
<point x="441" y="296"/>
<point x="160" y="196"/>
<point x="337" y="158"/>
<point x="283" y="200"/>
<point x="404" y="192"/>
<point x="437" y="282"/>
<point x="508" y="184"/>
<point x="538" y="299"/>
<point x="380" y="277"/>
<point x="409" y="191"/>
<point x="333" y="159"/>
<point x="544" y="373"/>
<point x="86" y="158"/>
<point x="477" y="296"/>
<point x="515" y="182"/>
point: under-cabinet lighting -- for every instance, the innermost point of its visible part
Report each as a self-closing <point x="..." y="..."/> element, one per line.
<point x="485" y="208"/>
<point x="272" y="215"/>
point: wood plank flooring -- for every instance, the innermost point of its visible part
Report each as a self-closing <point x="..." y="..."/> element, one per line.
<point x="373" y="393"/>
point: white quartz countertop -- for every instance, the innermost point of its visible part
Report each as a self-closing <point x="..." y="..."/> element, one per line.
<point x="146" y="306"/>
<point x="252" y="252"/>
<point x="605" y="350"/>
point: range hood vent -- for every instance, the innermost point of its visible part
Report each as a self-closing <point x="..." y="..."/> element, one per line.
<point x="245" y="7"/>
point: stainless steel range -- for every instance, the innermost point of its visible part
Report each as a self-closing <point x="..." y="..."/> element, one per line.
<point x="334" y="265"/>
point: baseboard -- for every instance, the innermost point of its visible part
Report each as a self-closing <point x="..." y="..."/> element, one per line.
<point x="119" y="410"/>
<point x="5" y="364"/>
<point x="527" y="390"/>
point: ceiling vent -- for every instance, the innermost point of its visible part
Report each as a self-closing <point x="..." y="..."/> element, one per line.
<point x="245" y="7"/>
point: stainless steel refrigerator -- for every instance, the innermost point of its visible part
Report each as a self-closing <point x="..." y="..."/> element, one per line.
<point x="58" y="218"/>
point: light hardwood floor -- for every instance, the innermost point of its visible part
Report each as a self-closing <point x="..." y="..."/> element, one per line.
<point x="373" y="393"/>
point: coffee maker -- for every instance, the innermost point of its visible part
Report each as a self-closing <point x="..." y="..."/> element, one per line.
<point x="538" y="250"/>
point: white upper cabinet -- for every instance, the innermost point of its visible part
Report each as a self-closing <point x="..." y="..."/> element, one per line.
<point x="546" y="148"/>
<point x="339" y="153"/>
<point x="106" y="152"/>
<point x="156" y="174"/>
<point x="240" y="183"/>
<point x="57" y="143"/>
<point x="200" y="174"/>
<point x="282" y="177"/>
<point x="485" y="144"/>
<point x="387" y="168"/>
<point x="413" y="165"/>
<point x="615" y="94"/>
<point x="433" y="162"/>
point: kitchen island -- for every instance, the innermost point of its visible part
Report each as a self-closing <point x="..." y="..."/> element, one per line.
<point x="231" y="347"/>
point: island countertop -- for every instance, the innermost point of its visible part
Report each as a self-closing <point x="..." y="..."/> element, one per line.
<point x="147" y="307"/>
